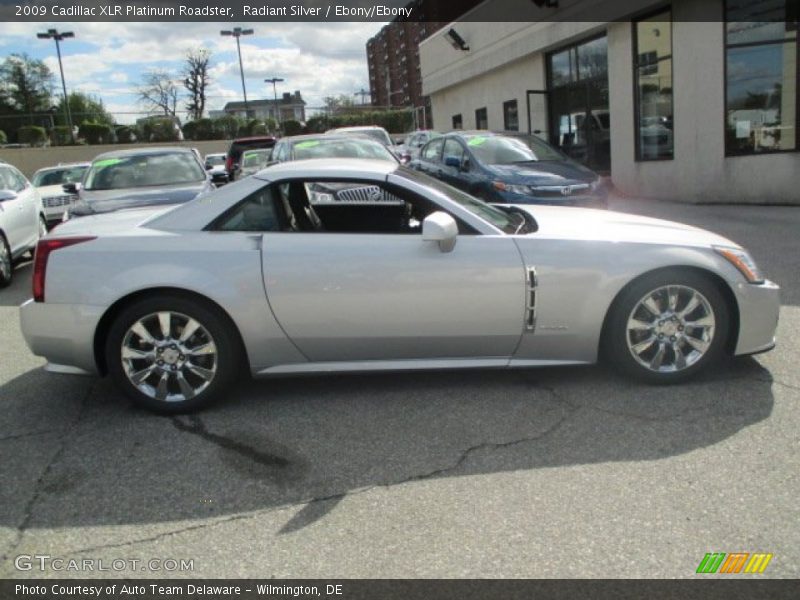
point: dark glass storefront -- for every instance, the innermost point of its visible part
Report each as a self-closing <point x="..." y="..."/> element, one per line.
<point x="577" y="83"/>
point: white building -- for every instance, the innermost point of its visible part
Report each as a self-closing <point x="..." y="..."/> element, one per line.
<point x="673" y="100"/>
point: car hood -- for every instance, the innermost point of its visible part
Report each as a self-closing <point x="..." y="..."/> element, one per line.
<point x="100" y="201"/>
<point x="51" y="191"/>
<point x="111" y="222"/>
<point x="588" y="224"/>
<point x="543" y="173"/>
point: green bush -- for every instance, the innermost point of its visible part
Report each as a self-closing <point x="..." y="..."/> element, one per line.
<point x="227" y="127"/>
<point x="3" y="137"/>
<point x="60" y="136"/>
<point x="125" y="134"/>
<point x="202" y="129"/>
<point x="291" y="127"/>
<point x="96" y="133"/>
<point x="32" y="135"/>
<point x="394" y="121"/>
<point x="159" y="130"/>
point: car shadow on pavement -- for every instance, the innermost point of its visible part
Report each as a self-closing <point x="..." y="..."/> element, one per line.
<point x="84" y="457"/>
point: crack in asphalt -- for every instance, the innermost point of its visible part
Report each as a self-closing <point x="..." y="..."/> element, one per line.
<point x="20" y="436"/>
<point x="784" y="384"/>
<point x="54" y="459"/>
<point x="197" y="427"/>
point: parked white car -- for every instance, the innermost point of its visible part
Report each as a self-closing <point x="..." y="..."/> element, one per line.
<point x="22" y="220"/>
<point x="50" y="181"/>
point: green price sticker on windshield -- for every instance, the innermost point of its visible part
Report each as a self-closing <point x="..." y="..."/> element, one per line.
<point x="476" y="141"/>
<point x="107" y="162"/>
<point x="304" y="145"/>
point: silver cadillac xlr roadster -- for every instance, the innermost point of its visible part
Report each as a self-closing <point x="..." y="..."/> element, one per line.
<point x="344" y="265"/>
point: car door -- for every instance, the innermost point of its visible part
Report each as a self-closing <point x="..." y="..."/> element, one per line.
<point x="455" y="170"/>
<point x="19" y="215"/>
<point x="380" y="295"/>
<point x="430" y="158"/>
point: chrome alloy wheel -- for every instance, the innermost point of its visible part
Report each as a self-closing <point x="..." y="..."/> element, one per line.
<point x="169" y="356"/>
<point x="5" y="261"/>
<point x="670" y="328"/>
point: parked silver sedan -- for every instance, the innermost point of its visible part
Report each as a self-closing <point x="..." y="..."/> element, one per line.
<point x="340" y="265"/>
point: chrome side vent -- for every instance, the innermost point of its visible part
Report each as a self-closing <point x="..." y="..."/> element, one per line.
<point x="530" y="299"/>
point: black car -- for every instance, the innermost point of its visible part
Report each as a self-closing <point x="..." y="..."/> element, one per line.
<point x="509" y="170"/>
<point x="239" y="145"/>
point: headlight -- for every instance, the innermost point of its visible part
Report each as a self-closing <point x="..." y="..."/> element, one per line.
<point x="522" y="190"/>
<point x="740" y="259"/>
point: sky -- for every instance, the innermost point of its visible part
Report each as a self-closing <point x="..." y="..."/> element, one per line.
<point x="109" y="59"/>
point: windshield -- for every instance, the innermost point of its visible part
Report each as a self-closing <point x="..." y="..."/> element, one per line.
<point x="255" y="158"/>
<point x="341" y="148"/>
<point x="215" y="160"/>
<point x="501" y="150"/>
<point x="58" y="176"/>
<point x="378" y="135"/>
<point x="144" y="170"/>
<point x="500" y="219"/>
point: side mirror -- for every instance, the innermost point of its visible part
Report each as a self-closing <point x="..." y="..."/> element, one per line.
<point x="7" y="195"/>
<point x="442" y="228"/>
<point x="71" y="188"/>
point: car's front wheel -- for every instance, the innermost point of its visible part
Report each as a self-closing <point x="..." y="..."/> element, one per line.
<point x="172" y="354"/>
<point x="6" y="264"/>
<point x="667" y="326"/>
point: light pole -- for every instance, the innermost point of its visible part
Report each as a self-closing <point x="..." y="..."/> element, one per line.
<point x="53" y="34"/>
<point x="273" y="81"/>
<point x="363" y="93"/>
<point x="238" y="32"/>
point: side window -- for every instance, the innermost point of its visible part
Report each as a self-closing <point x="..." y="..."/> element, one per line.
<point x="17" y="180"/>
<point x="280" y="152"/>
<point x="257" y="212"/>
<point x="337" y="206"/>
<point x="433" y="151"/>
<point x="453" y="149"/>
<point x="10" y="180"/>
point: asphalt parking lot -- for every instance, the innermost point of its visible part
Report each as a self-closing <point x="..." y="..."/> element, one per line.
<point x="533" y="473"/>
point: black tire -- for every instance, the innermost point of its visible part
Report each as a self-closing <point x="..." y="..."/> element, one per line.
<point x="215" y="325"/>
<point x="621" y="344"/>
<point x="6" y="262"/>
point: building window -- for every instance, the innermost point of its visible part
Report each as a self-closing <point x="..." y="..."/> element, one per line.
<point x="510" y="116"/>
<point x="761" y="75"/>
<point x="652" y="66"/>
<point x="481" y="120"/>
<point x="458" y="122"/>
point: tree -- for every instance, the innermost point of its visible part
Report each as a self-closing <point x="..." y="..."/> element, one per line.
<point x="26" y="84"/>
<point x="84" y="108"/>
<point x="158" y="92"/>
<point x="196" y="80"/>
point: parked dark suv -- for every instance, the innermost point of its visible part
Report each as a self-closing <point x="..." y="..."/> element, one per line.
<point x="240" y="145"/>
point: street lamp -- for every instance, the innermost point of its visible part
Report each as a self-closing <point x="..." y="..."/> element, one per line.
<point x="273" y="81"/>
<point x="53" y="34"/>
<point x="238" y="32"/>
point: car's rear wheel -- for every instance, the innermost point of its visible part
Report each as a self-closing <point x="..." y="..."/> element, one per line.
<point x="6" y="264"/>
<point x="172" y="354"/>
<point x="667" y="326"/>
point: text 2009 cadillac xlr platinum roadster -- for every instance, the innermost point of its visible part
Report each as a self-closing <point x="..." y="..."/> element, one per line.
<point x="341" y="265"/>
